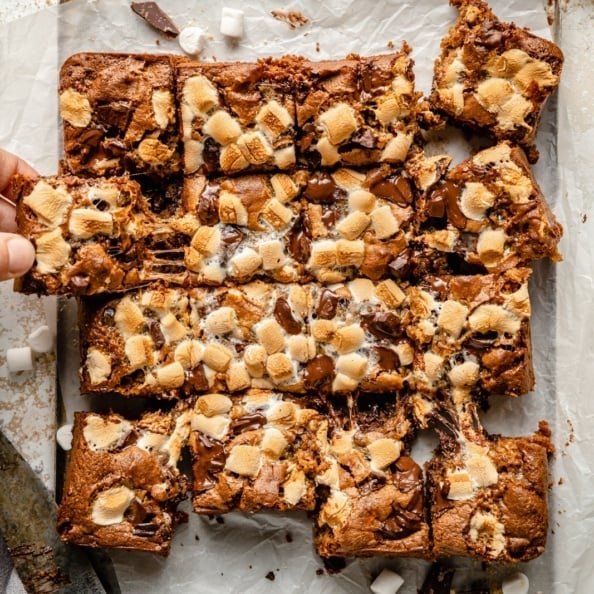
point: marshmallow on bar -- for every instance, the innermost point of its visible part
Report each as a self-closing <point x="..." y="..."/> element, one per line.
<point x="253" y="452"/>
<point x="495" y="76"/>
<point x="122" y="484"/>
<point x="119" y="114"/>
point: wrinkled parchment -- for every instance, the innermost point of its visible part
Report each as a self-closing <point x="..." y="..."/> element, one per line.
<point x="236" y="555"/>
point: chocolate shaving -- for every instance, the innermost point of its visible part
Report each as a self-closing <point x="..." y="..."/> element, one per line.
<point x="155" y="17"/>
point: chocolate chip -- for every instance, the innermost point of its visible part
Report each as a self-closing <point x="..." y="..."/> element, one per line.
<point x="284" y="316"/>
<point x="319" y="373"/>
<point x="327" y="304"/>
<point x="382" y="324"/>
<point x="270" y="576"/>
<point x="322" y="189"/>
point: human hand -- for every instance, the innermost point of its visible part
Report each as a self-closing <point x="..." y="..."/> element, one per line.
<point x="16" y="253"/>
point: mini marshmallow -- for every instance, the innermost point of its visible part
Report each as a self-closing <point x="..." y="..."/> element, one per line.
<point x="517" y="583"/>
<point x="191" y="40"/>
<point x="232" y="22"/>
<point x="41" y="340"/>
<point x="64" y="437"/>
<point x="19" y="359"/>
<point x="387" y="582"/>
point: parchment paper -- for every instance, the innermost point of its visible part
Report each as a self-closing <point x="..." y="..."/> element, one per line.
<point x="237" y="554"/>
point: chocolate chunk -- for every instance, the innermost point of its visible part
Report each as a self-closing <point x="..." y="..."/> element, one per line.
<point x="388" y="360"/>
<point x="270" y="576"/>
<point x="156" y="333"/>
<point x="196" y="380"/>
<point x="210" y="461"/>
<point x="330" y="217"/>
<point x="327" y="305"/>
<point x="154" y="16"/>
<point x="322" y="189"/>
<point x="284" y="316"/>
<point x="299" y="240"/>
<point x="210" y="154"/>
<point x="400" y="267"/>
<point x="382" y="324"/>
<point x="208" y="206"/>
<point x="446" y="192"/>
<point x="395" y="190"/>
<point x="247" y="423"/>
<point x="319" y="373"/>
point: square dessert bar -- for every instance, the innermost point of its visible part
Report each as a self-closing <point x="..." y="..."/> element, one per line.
<point x="122" y="485"/>
<point x="487" y="214"/>
<point x="356" y="111"/>
<point x="253" y="452"/>
<point x="488" y="496"/>
<point x="296" y="338"/>
<point x="119" y="114"/>
<point x="371" y="490"/>
<point x="472" y="333"/>
<point x="88" y="233"/>
<point x="494" y="76"/>
<point x="236" y="117"/>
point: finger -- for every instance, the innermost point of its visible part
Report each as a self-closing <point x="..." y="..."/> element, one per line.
<point x="11" y="164"/>
<point x="16" y="255"/>
<point x="7" y="217"/>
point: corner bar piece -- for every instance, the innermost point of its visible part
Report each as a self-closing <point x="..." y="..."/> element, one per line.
<point x="495" y="76"/>
<point x="488" y="496"/>
<point x="119" y="114"/>
<point x="122" y="485"/>
<point x="258" y="451"/>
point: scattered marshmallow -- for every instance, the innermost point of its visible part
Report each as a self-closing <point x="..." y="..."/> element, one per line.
<point x="232" y="22"/>
<point x="41" y="340"/>
<point x="387" y="582"/>
<point x="517" y="583"/>
<point x="19" y="359"/>
<point x="64" y="437"/>
<point x="191" y="40"/>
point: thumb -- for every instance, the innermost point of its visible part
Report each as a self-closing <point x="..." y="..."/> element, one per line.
<point x="16" y="255"/>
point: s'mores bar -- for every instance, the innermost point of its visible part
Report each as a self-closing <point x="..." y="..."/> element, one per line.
<point x="296" y="338"/>
<point x="87" y="232"/>
<point x="371" y="490"/>
<point x="488" y="496"/>
<point x="119" y="114"/>
<point x="356" y="111"/>
<point x="253" y="452"/>
<point x="236" y="117"/>
<point x="122" y="485"/>
<point x="494" y="76"/>
<point x="487" y="214"/>
<point x="472" y="333"/>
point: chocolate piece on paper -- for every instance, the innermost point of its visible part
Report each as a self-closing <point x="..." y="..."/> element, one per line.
<point x="152" y="13"/>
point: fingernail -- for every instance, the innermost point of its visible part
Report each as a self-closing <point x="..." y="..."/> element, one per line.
<point x="21" y="255"/>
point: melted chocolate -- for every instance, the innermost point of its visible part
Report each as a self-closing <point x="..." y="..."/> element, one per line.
<point x="448" y="193"/>
<point x="209" y="460"/>
<point x="388" y="360"/>
<point x="319" y="373"/>
<point x="247" y="423"/>
<point x="208" y="205"/>
<point x="284" y="316"/>
<point x="400" y="267"/>
<point x="299" y="239"/>
<point x="321" y="189"/>
<point x="382" y="324"/>
<point x="395" y="190"/>
<point x="156" y="333"/>
<point x="327" y="304"/>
